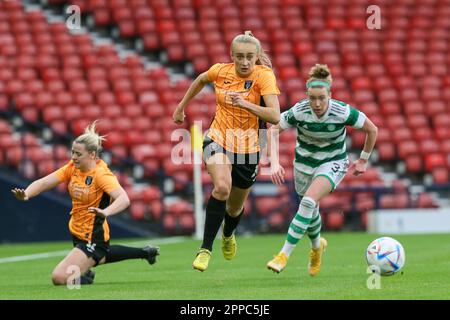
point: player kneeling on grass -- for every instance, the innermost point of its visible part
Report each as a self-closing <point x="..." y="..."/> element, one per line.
<point x="321" y="160"/>
<point x="96" y="194"/>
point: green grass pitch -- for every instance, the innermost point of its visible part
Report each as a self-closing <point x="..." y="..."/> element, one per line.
<point x="343" y="275"/>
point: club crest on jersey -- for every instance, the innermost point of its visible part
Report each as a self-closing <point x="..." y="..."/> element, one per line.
<point x="248" y="84"/>
<point x="88" y="180"/>
<point x="214" y="146"/>
<point x="91" y="247"/>
<point x="331" y="127"/>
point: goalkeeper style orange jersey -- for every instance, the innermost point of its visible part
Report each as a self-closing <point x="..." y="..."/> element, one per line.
<point x="88" y="189"/>
<point x="235" y="128"/>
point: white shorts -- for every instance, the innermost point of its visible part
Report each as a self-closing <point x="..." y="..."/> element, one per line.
<point x="334" y="171"/>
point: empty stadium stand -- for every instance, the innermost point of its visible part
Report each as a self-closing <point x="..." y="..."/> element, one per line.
<point x="63" y="79"/>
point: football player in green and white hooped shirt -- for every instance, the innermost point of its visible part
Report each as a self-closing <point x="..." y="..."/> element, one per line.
<point x="321" y="160"/>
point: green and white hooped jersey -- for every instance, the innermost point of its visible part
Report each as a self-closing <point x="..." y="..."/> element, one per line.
<point x="320" y="140"/>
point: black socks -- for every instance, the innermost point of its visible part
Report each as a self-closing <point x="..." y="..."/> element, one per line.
<point x="119" y="253"/>
<point x="231" y="224"/>
<point x="215" y="210"/>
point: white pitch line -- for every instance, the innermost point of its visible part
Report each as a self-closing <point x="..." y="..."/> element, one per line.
<point x="62" y="253"/>
<point x="159" y="241"/>
<point x="36" y="256"/>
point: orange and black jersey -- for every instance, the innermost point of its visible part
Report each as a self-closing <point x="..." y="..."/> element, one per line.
<point x="235" y="128"/>
<point x="88" y="189"/>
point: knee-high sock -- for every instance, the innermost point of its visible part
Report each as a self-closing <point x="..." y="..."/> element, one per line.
<point x="231" y="223"/>
<point x="215" y="211"/>
<point x="299" y="225"/>
<point x="314" y="229"/>
<point x="118" y="253"/>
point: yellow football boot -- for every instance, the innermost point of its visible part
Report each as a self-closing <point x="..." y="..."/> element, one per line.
<point x="315" y="258"/>
<point x="278" y="263"/>
<point x="229" y="247"/>
<point x="202" y="260"/>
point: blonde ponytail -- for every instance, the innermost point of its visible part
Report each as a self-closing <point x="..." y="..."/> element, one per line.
<point x="91" y="139"/>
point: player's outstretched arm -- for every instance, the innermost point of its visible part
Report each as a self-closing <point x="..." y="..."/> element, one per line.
<point x="276" y="170"/>
<point x="371" y="131"/>
<point x="120" y="203"/>
<point x="195" y="87"/>
<point x="36" y="187"/>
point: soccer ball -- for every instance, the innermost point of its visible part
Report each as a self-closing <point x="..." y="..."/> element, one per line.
<point x="385" y="256"/>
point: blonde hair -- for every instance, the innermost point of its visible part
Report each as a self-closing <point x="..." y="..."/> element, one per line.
<point x="248" y="37"/>
<point x="320" y="72"/>
<point x="91" y="139"/>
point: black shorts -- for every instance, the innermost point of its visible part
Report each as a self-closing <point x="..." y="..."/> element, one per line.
<point x="244" y="166"/>
<point x="94" y="250"/>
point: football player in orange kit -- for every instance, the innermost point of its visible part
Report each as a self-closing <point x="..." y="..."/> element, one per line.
<point x="96" y="194"/>
<point x="246" y="98"/>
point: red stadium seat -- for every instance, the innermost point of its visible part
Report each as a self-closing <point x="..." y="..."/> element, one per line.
<point x="423" y="133"/>
<point x="30" y="114"/>
<point x="24" y="100"/>
<point x="443" y="133"/>
<point x="151" y="167"/>
<point x="132" y="138"/>
<point x="435" y="107"/>
<point x="46" y="167"/>
<point x="331" y="202"/>
<point x="425" y="200"/>
<point x="396" y="201"/>
<point x="384" y="135"/>
<point x="137" y="210"/>
<point x="441" y="175"/>
<point x="358" y="138"/>
<point x="60" y="127"/>
<point x="169" y="223"/>
<point x="52" y="113"/>
<point x="386" y="151"/>
<point x="112" y="111"/>
<point x="276" y="221"/>
<point x="396" y="122"/>
<point x="415" y="121"/>
<point x="434" y="160"/>
<point x="102" y="17"/>
<point x="401" y="134"/>
<point x="445" y="146"/>
<point x="143" y="152"/>
<point x="163" y="151"/>
<point x="364" y="203"/>
<point x="361" y="83"/>
<point x="187" y="222"/>
<point x="414" y="164"/>
<point x="61" y="152"/>
<point x="441" y="120"/>
<point x="334" y="220"/>
<point x="429" y="146"/>
<point x="414" y="107"/>
<point x="266" y="205"/>
<point x="4" y="127"/>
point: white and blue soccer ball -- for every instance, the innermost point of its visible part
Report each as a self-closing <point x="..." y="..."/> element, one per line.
<point x="385" y="256"/>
